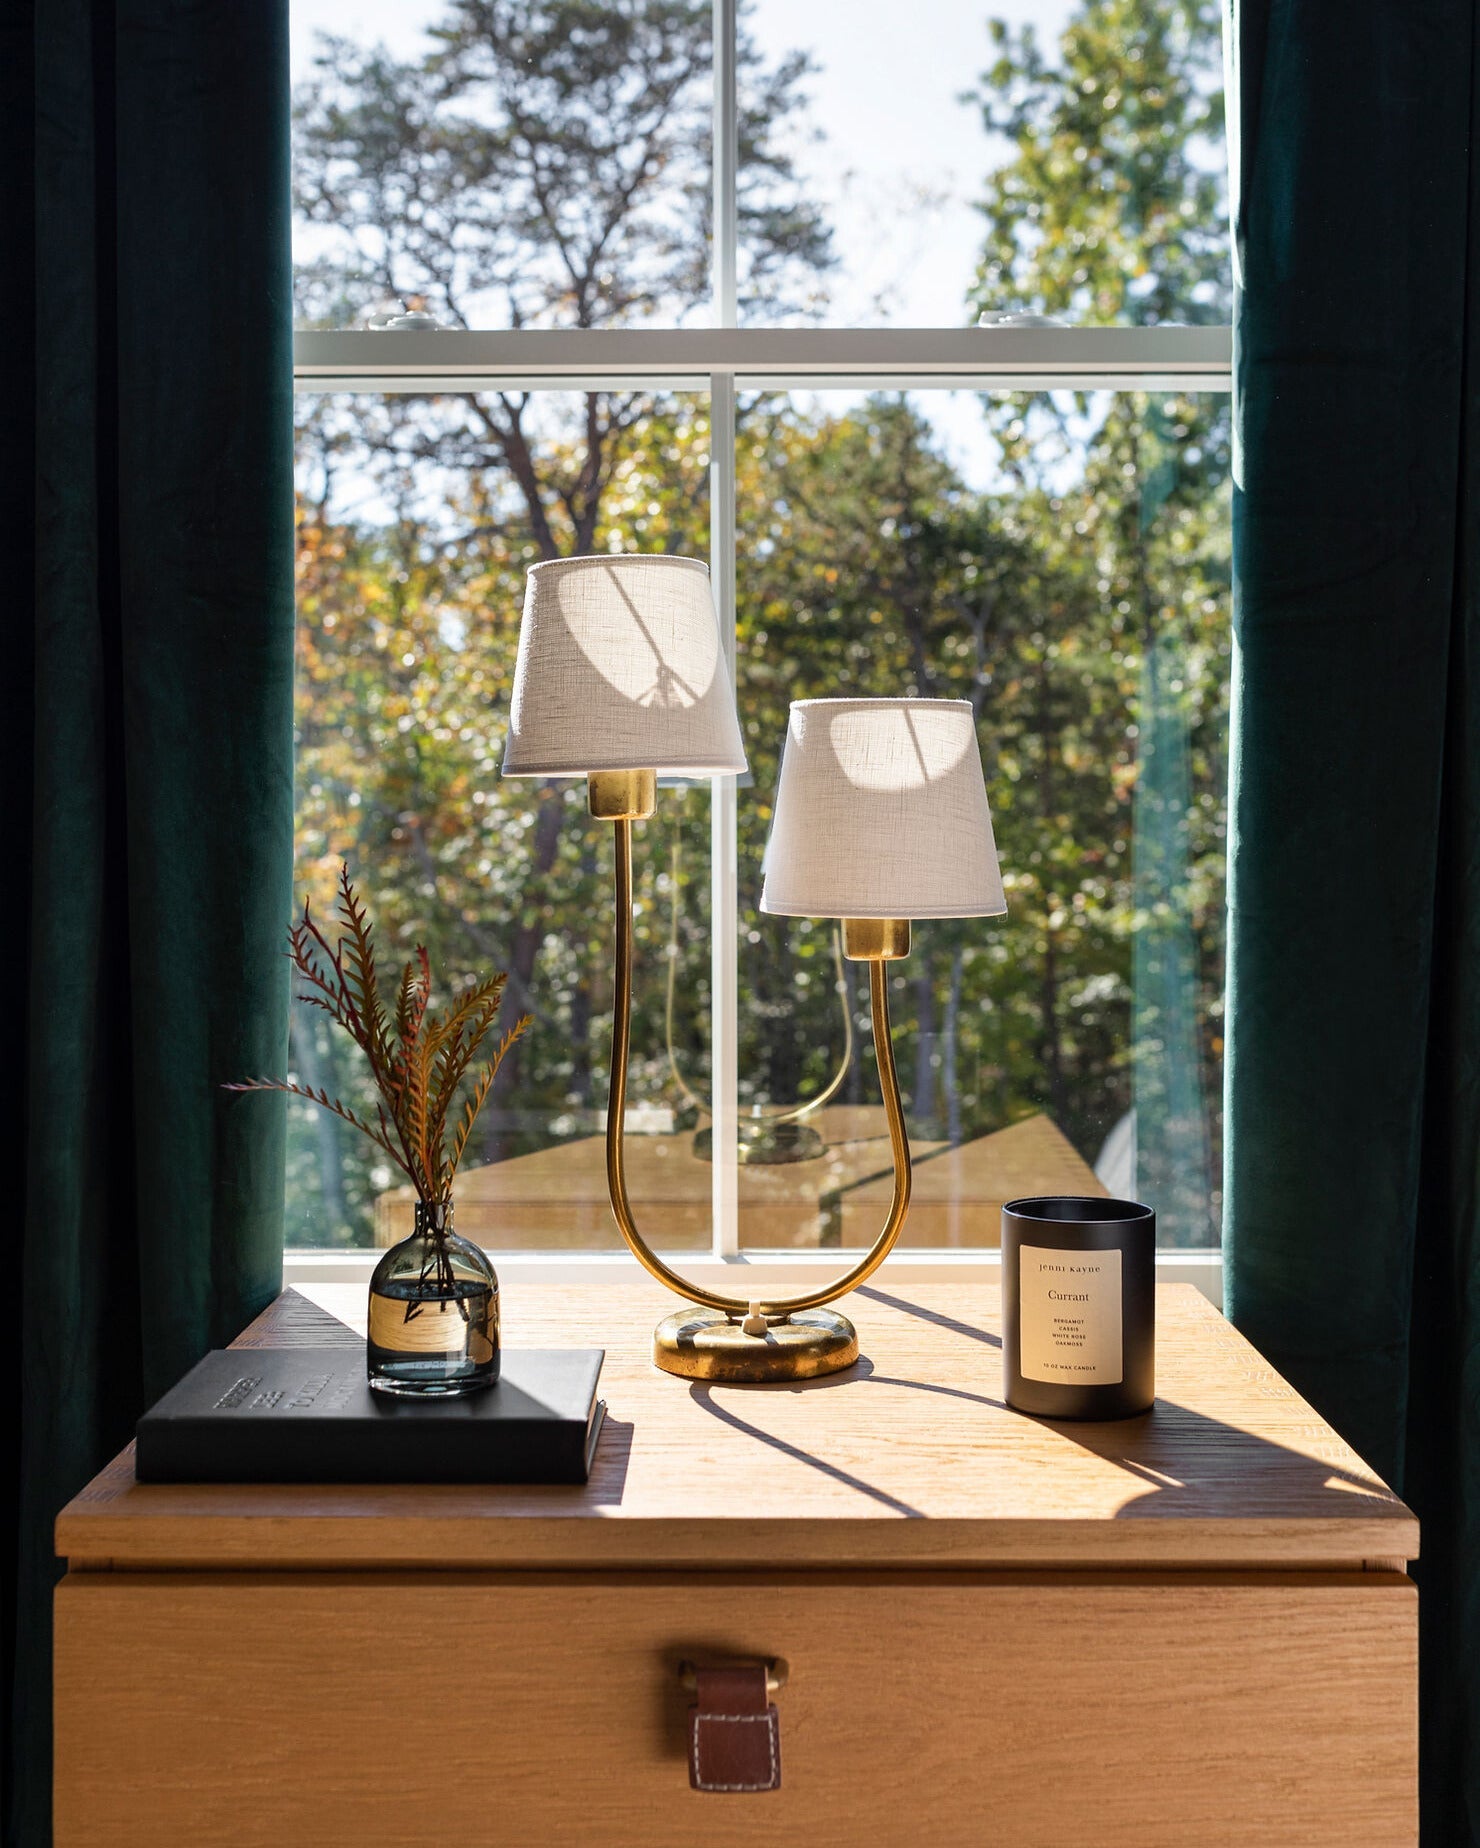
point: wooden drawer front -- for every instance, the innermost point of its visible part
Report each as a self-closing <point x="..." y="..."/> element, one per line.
<point x="1054" y="1710"/>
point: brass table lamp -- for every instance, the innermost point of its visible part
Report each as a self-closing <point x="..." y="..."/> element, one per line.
<point x="881" y="815"/>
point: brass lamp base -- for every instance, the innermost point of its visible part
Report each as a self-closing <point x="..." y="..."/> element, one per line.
<point x="706" y="1344"/>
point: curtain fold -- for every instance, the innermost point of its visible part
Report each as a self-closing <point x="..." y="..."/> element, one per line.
<point x="1353" y="1065"/>
<point x="147" y="482"/>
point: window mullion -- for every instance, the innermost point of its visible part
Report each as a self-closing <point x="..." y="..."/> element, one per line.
<point x="858" y="359"/>
<point x="725" y="249"/>
<point x="724" y="907"/>
<point x="724" y="902"/>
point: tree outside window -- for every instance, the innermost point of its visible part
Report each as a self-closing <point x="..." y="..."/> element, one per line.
<point x="548" y="165"/>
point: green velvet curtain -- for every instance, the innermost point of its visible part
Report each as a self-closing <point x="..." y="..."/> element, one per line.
<point x="146" y="749"/>
<point x="1353" y="1127"/>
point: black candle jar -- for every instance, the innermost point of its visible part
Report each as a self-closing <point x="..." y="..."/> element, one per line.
<point x="1078" y="1306"/>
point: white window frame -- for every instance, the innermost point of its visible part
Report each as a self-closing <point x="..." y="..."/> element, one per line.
<point x="722" y="360"/>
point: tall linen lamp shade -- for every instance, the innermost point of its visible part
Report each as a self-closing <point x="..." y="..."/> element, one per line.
<point x="621" y="668"/>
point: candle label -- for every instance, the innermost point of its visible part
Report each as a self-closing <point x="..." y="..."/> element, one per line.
<point x="1069" y="1316"/>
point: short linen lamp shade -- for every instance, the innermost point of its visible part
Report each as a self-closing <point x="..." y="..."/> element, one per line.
<point x="881" y="812"/>
<point x="620" y="667"/>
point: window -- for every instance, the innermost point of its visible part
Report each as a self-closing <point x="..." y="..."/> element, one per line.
<point x="1031" y="514"/>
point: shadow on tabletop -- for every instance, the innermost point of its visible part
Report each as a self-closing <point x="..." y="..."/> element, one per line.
<point x="1148" y="1448"/>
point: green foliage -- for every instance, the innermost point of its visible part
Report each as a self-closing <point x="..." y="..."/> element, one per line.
<point x="878" y="572"/>
<point x="1111" y="207"/>
<point x="405" y="659"/>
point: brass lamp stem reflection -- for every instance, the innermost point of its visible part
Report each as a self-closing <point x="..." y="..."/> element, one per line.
<point x="742" y="1338"/>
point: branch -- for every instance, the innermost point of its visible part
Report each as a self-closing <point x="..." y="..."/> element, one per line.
<point x="480" y="1093"/>
<point x="325" y="1102"/>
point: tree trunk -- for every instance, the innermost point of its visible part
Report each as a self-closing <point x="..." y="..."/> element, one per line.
<point x="948" y="1050"/>
<point x="923" y="1098"/>
<point x="853" y="1090"/>
<point x="514" y="445"/>
<point x="520" y="995"/>
<point x="1051" y="1041"/>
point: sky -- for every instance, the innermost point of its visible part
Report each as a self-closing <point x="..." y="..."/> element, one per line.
<point x="898" y="164"/>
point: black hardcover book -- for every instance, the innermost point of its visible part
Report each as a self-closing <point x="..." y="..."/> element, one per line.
<point x="308" y="1415"/>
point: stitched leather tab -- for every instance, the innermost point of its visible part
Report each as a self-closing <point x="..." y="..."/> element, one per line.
<point x="734" y="1732"/>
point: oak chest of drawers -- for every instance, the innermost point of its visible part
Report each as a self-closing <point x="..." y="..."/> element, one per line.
<point x="1189" y="1629"/>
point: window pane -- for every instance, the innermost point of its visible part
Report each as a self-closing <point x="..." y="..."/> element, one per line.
<point x="496" y="163"/>
<point x="1063" y="564"/>
<point x="417" y="522"/>
<point x="528" y="163"/>
<point x="1051" y="157"/>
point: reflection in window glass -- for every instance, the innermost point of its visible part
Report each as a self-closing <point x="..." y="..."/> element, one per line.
<point x="416" y="527"/>
<point x="1071" y="580"/>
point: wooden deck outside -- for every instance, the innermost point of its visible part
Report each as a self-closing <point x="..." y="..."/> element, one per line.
<point x="556" y="1199"/>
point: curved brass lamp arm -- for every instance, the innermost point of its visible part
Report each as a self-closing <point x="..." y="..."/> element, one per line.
<point x="789" y="1113"/>
<point x="737" y="1306"/>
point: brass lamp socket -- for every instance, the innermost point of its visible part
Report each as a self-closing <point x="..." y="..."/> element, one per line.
<point x="876" y="939"/>
<point x="622" y="795"/>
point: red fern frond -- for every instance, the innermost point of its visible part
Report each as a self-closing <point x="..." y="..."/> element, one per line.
<point x="419" y="1062"/>
<point x="325" y="1102"/>
<point x="355" y="959"/>
<point x="465" y="1030"/>
<point x="481" y="1089"/>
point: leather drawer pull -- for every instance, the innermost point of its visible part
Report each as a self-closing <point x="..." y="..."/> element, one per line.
<point x="734" y="1729"/>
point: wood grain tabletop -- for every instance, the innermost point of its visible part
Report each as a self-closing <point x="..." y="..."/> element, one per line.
<point x="910" y="1460"/>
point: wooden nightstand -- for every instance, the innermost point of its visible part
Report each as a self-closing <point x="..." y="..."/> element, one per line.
<point x="1189" y="1629"/>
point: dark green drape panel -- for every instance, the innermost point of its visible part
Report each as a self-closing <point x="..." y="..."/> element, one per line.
<point x="1354" y="947"/>
<point x="146" y="512"/>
